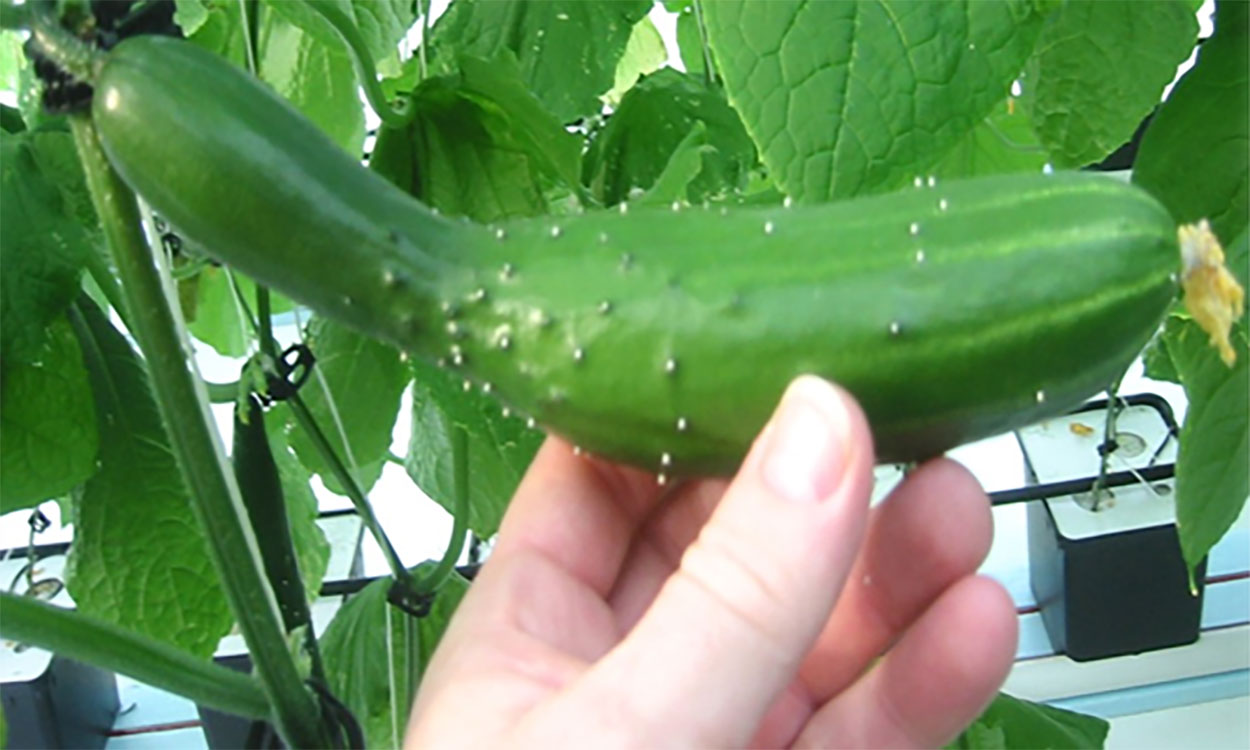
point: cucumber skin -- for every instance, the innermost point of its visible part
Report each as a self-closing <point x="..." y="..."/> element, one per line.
<point x="664" y="338"/>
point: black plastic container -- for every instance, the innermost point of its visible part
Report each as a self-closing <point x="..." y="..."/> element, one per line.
<point x="69" y="705"/>
<point x="1117" y="592"/>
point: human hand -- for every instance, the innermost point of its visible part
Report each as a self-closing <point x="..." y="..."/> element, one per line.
<point x="773" y="610"/>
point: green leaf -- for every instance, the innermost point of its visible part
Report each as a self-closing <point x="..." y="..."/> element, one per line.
<point x="370" y="646"/>
<point x="567" y="49"/>
<point x="644" y="54"/>
<point x="654" y="118"/>
<point x="139" y="558"/>
<point x="190" y="15"/>
<point x="683" y="167"/>
<point x="1100" y="68"/>
<point x="1003" y="142"/>
<point x="500" y="448"/>
<point x="1212" y="476"/>
<point x="12" y="60"/>
<point x="480" y="145"/>
<point x="497" y="85"/>
<point x="1194" y="155"/>
<point x="312" y="549"/>
<point x="216" y="318"/>
<point x="1158" y="362"/>
<point x="214" y="25"/>
<point x="42" y="250"/>
<point x="11" y="119"/>
<point x="57" y="157"/>
<point x="857" y="97"/>
<point x="1015" y="723"/>
<point x="48" y="436"/>
<point x="364" y="379"/>
<point x="380" y="23"/>
<point x="318" y="79"/>
<point x="690" y="43"/>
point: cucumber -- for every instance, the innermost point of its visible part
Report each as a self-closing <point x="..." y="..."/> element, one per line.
<point x="953" y="311"/>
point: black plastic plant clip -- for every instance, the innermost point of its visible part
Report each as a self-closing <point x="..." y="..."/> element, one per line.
<point x="291" y="374"/>
<point x="412" y="602"/>
<point x="341" y="715"/>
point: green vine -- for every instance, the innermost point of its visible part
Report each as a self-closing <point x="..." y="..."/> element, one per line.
<point x="393" y="115"/>
<point x="214" y="494"/>
<point x="160" y="665"/>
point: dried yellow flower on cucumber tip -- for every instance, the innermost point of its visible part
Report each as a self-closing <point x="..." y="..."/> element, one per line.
<point x="1212" y="296"/>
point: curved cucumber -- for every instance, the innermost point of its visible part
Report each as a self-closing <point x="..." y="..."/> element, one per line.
<point x="664" y="338"/>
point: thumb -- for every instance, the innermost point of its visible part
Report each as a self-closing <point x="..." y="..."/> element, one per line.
<point x="728" y="630"/>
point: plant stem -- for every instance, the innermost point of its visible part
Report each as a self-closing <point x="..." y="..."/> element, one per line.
<point x="309" y="425"/>
<point x="708" y="76"/>
<point x="264" y="332"/>
<point x="102" y="275"/>
<point x="1108" y="446"/>
<point x="424" y="7"/>
<point x="77" y="636"/>
<point x="264" y="323"/>
<point x="214" y="494"/>
<point x="392" y="116"/>
<point x="460" y="520"/>
<point x="49" y="39"/>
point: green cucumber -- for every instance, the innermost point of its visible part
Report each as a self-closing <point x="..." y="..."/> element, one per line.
<point x="953" y="311"/>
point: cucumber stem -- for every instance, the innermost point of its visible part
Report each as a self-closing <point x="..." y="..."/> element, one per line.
<point x="53" y="41"/>
<point x="391" y="115"/>
<point x="86" y="639"/>
<point x="215" y="496"/>
<point x="431" y="583"/>
<point x="309" y="425"/>
<point x="262" y="326"/>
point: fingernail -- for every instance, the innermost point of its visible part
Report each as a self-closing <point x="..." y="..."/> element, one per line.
<point x="805" y="452"/>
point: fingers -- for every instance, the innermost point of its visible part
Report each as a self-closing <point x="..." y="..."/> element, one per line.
<point x="753" y="590"/>
<point x="933" y="530"/>
<point x="578" y="512"/>
<point x="938" y="678"/>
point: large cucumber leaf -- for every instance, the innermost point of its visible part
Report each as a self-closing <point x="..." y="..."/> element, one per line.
<point x="1003" y="142"/>
<point x="1212" y="479"/>
<point x="1100" y="67"/>
<point x="353" y="395"/>
<point x="139" y="558"/>
<point x="371" y="646"/>
<point x="1193" y="156"/>
<point x="42" y="248"/>
<point x="653" y="119"/>
<point x="567" y="49"/>
<point x="481" y="145"/>
<point x="316" y="77"/>
<point x="214" y="315"/>
<point x="381" y="24"/>
<point x="48" y="435"/>
<point x="845" y="98"/>
<point x="644" y="54"/>
<point x="1013" y="722"/>
<point x="500" y="447"/>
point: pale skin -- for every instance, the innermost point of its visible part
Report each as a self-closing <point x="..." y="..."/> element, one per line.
<point x="775" y="609"/>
